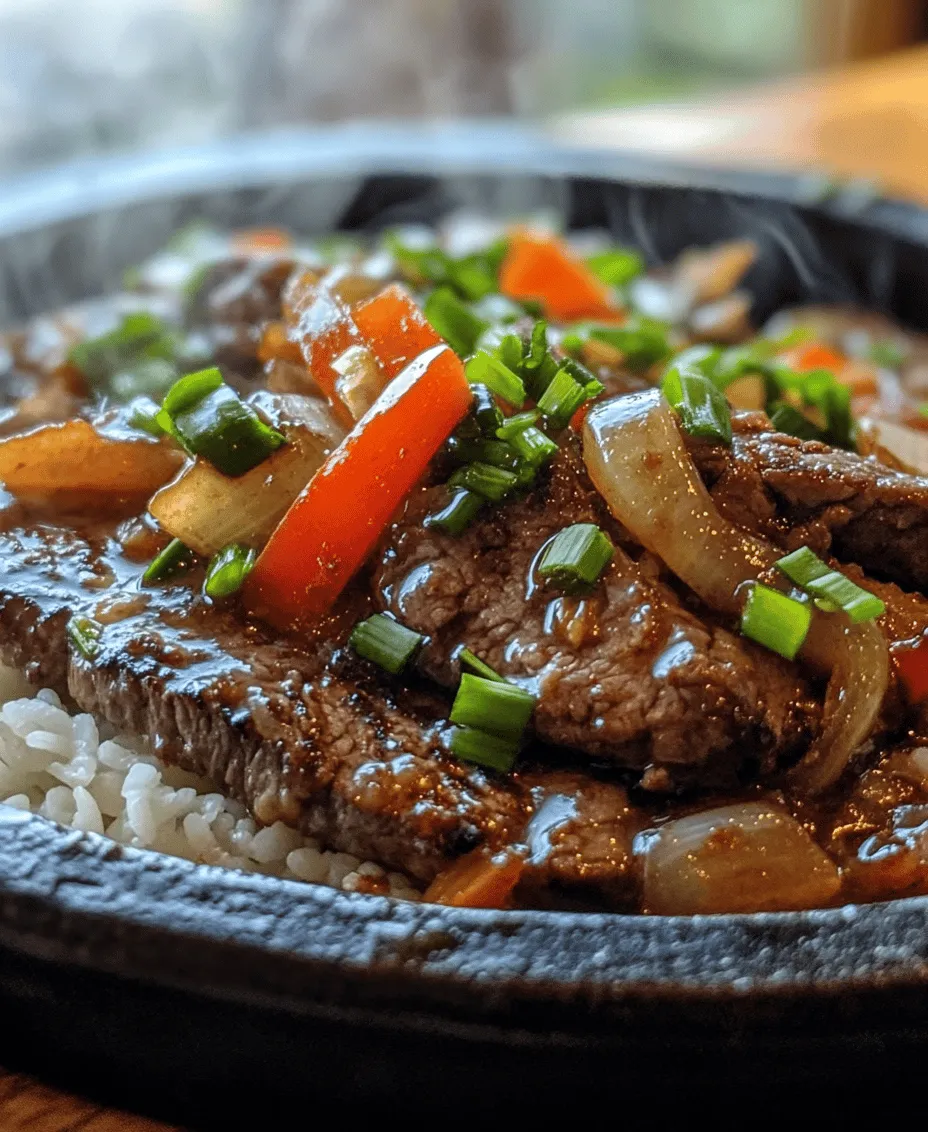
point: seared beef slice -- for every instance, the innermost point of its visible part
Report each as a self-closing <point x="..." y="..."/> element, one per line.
<point x="633" y="676"/>
<point x="294" y="730"/>
<point x="804" y="492"/>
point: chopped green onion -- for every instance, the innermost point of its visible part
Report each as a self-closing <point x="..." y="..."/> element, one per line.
<point x="85" y="633"/>
<point x="485" y="369"/>
<point x="476" y="746"/>
<point x="700" y="405"/>
<point x="538" y="346"/>
<point x="739" y="361"/>
<point x="454" y="320"/>
<point x="702" y="359"/>
<point x="810" y="573"/>
<point x="228" y="570"/>
<point x="490" y="482"/>
<point x="777" y="622"/>
<point x="210" y="420"/>
<point x="534" y="446"/>
<point x="512" y="426"/>
<point x="494" y="706"/>
<point x="485" y="411"/>
<point x="143" y="414"/>
<point x="467" y="659"/>
<point x="190" y="389"/>
<point x="173" y="560"/>
<point x="642" y="340"/>
<point x="140" y="352"/>
<point x="617" y="266"/>
<point x="458" y="515"/>
<point x="562" y="399"/>
<point x="472" y="276"/>
<point x="576" y="557"/>
<point x="385" y="642"/>
<point x="511" y="352"/>
<point x="499" y="453"/>
<point x="888" y="353"/>
<point x="786" y="418"/>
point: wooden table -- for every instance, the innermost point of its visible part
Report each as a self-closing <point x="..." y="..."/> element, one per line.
<point x="867" y="121"/>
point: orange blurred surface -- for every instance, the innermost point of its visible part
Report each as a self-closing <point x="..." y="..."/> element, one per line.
<point x="865" y="121"/>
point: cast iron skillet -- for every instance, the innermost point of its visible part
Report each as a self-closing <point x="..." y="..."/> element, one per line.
<point x="208" y="995"/>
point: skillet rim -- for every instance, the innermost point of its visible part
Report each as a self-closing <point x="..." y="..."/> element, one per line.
<point x="478" y="965"/>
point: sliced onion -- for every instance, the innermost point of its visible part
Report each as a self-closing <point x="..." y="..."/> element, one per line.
<point x="749" y="857"/>
<point x="360" y="379"/>
<point x="73" y="460"/>
<point x="636" y="456"/>
<point x="207" y="510"/>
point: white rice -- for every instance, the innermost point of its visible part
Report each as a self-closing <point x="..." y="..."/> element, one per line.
<point x="67" y="768"/>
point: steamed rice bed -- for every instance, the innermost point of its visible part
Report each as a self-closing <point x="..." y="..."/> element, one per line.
<point x="75" y="772"/>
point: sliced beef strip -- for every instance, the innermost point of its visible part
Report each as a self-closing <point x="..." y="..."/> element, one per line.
<point x="233" y="301"/>
<point x="802" y="492"/>
<point x="298" y="731"/>
<point x="632" y="677"/>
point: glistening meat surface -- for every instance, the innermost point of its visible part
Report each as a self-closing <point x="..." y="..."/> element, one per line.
<point x="296" y="730"/>
<point x="632" y="676"/>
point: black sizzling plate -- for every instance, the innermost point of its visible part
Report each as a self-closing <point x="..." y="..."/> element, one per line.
<point x="212" y="996"/>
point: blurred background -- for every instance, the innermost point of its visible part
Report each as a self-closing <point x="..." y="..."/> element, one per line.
<point x="689" y="77"/>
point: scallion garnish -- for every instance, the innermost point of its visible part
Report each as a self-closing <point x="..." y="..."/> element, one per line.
<point x="485" y="412"/>
<point x="777" y="622"/>
<point x="499" y="453"/>
<point x="700" y="405"/>
<point x="786" y="418"/>
<point x="533" y="446"/>
<point x="486" y="480"/>
<point x="385" y="642"/>
<point x="85" y="633"/>
<point x="141" y="345"/>
<point x="467" y="659"/>
<point x="617" y="266"/>
<point x="143" y="414"/>
<point x="485" y="369"/>
<point x="458" y="515"/>
<point x="561" y="399"/>
<point x="642" y="341"/>
<point x="493" y="706"/>
<point x="475" y="746"/>
<point x="576" y="557"/>
<point x="816" y="577"/>
<point x="513" y="425"/>
<point x="173" y="560"/>
<point x="228" y="570"/>
<point x="454" y="320"/>
<point x="210" y="420"/>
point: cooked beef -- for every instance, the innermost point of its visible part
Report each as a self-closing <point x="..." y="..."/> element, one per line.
<point x="297" y="730"/>
<point x="630" y="676"/>
<point x="233" y="301"/>
<point x="804" y="492"/>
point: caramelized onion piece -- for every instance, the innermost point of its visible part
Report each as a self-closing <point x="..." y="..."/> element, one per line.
<point x="207" y="510"/>
<point x="749" y="857"/>
<point x="76" y="460"/>
<point x="636" y="457"/>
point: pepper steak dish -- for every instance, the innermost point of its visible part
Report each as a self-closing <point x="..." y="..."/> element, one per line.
<point x="485" y="556"/>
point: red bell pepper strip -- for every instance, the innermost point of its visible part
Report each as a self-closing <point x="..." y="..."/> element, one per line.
<point x="394" y="327"/>
<point x="542" y="268"/>
<point x="814" y="355"/>
<point x="332" y="526"/>
<point x="912" y="667"/>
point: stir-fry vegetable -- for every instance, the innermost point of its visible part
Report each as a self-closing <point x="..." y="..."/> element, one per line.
<point x="637" y="459"/>
<point x="385" y="642"/>
<point x="176" y="558"/>
<point x="542" y="268"/>
<point x="331" y="527"/>
<point x="394" y="327"/>
<point x="576" y="557"/>
<point x="776" y="621"/>
<point x="78" y="460"/>
<point x="208" y="510"/>
<point x="137" y="357"/>
<point x="478" y="880"/>
<point x="85" y="633"/>
<point x="209" y="419"/>
<point x="227" y="571"/>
